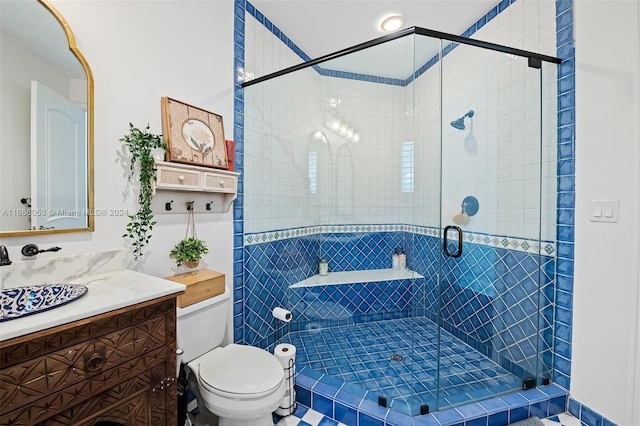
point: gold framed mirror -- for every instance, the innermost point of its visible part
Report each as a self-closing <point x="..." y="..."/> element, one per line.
<point x="46" y="124"/>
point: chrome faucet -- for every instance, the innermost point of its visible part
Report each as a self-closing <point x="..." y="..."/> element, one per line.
<point x="4" y="256"/>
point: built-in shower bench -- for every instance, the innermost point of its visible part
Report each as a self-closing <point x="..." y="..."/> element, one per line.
<point x="353" y="277"/>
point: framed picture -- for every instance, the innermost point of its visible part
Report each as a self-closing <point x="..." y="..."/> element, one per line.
<point x="193" y="135"/>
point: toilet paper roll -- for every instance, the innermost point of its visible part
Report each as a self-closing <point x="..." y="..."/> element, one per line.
<point x="282" y="314"/>
<point x="284" y="353"/>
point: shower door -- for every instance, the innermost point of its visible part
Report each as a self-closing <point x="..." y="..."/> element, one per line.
<point x="493" y="267"/>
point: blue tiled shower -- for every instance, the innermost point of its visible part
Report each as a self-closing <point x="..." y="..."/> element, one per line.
<point x="493" y="306"/>
<point x="496" y="283"/>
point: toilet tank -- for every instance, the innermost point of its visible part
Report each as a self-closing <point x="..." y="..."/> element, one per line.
<point x="201" y="326"/>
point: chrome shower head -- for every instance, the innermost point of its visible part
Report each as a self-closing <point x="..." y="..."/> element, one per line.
<point x="459" y="123"/>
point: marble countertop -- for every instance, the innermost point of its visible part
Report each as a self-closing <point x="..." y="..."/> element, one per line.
<point x="106" y="292"/>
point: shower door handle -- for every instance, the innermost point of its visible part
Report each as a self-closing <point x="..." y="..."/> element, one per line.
<point x="458" y="253"/>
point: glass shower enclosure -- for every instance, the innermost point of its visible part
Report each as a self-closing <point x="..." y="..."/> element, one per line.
<point x="421" y="167"/>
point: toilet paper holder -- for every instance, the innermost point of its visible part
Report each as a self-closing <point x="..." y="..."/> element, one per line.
<point x="285" y="353"/>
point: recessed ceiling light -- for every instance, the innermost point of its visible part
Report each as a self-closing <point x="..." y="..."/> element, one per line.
<point x="391" y="23"/>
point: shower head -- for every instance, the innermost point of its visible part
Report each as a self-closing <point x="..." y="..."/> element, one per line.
<point x="459" y="123"/>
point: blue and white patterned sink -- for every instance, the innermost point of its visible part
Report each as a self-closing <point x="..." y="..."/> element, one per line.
<point x="21" y="301"/>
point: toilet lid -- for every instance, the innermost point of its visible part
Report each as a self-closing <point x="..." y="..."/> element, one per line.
<point x="240" y="370"/>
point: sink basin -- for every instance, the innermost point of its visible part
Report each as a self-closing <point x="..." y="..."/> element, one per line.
<point x="21" y="301"/>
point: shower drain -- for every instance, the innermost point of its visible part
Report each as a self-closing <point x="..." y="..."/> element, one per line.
<point x="396" y="357"/>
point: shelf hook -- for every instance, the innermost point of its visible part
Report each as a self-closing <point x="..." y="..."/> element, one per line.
<point x="190" y="205"/>
<point x="167" y="206"/>
<point x="208" y="206"/>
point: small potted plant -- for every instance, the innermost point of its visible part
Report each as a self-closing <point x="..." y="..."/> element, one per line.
<point x="189" y="251"/>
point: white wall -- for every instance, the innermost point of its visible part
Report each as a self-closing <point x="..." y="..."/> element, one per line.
<point x="140" y="51"/>
<point x="604" y="373"/>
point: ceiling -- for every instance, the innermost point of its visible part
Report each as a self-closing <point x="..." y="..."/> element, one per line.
<point x="320" y="27"/>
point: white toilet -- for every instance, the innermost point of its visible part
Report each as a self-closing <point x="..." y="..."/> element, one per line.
<point x="240" y="384"/>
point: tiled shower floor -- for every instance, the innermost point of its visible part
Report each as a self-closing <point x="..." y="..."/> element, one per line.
<point x="360" y="354"/>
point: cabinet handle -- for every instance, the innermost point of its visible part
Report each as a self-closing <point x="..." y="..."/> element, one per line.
<point x="221" y="183"/>
<point x="94" y="363"/>
<point x="181" y="178"/>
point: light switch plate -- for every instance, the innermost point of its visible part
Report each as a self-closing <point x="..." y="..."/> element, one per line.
<point x="604" y="211"/>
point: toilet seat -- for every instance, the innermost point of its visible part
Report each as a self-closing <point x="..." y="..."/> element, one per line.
<point x="240" y="372"/>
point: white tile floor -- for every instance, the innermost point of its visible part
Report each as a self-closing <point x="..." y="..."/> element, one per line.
<point x="307" y="417"/>
<point x="564" y="419"/>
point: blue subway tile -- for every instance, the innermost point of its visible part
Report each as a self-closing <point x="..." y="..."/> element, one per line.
<point x="427" y="420"/>
<point x="563" y="6"/>
<point x="566" y="117"/>
<point x="365" y="420"/>
<point x="557" y="405"/>
<point x="480" y="421"/>
<point x="303" y="395"/>
<point x="590" y="417"/>
<point x="498" y="419"/>
<point x="321" y="404"/>
<point x="566" y="183"/>
<point x="574" y="408"/>
<point x="567" y="69"/>
<point x="324" y="389"/>
<point x="449" y="416"/>
<point x="471" y="410"/>
<point x="564" y="35"/>
<point x="539" y="409"/>
<point x="517" y="414"/>
<point x="345" y="414"/>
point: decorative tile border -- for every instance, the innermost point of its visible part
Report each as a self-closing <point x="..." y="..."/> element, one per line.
<point x="525" y="245"/>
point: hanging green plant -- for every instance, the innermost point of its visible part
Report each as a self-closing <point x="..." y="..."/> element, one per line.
<point x="190" y="249"/>
<point x="141" y="145"/>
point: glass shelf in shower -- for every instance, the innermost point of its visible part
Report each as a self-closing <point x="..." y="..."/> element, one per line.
<point x="353" y="277"/>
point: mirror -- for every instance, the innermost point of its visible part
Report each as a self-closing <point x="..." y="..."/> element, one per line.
<point x="46" y="124"/>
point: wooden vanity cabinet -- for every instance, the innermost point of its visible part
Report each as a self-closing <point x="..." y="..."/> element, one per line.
<point x="116" y="368"/>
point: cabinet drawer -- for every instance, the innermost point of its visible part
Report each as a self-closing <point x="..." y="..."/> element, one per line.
<point x="219" y="183"/>
<point x="33" y="379"/>
<point x="174" y="178"/>
<point x="101" y="394"/>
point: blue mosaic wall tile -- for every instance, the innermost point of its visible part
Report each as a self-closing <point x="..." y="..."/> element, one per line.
<point x="490" y="294"/>
<point x="361" y="251"/>
<point x="346" y="300"/>
<point x="490" y="298"/>
<point x="269" y="269"/>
